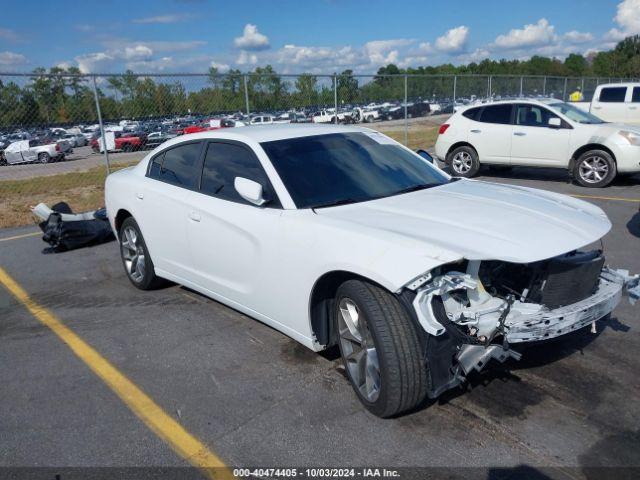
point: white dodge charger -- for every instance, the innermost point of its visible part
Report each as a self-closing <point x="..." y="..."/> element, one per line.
<point x="340" y="235"/>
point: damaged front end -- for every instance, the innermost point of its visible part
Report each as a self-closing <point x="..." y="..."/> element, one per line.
<point x="473" y="311"/>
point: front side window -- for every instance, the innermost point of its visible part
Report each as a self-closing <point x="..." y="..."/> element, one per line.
<point x="325" y="170"/>
<point x="575" y="114"/>
<point x="224" y="162"/>
<point x="613" y="94"/>
<point x="533" y="116"/>
<point x="177" y="165"/>
<point x="496" y="114"/>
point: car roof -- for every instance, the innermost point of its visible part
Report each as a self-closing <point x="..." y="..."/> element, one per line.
<point x="538" y="101"/>
<point x="267" y="133"/>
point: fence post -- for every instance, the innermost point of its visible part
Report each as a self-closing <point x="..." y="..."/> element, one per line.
<point x="406" y="119"/>
<point x="582" y="87"/>
<point x="455" y="81"/>
<point x="335" y="97"/>
<point x="544" y="86"/>
<point x="246" y="94"/>
<point x="104" y="139"/>
<point x="489" y="86"/>
<point x="564" y="90"/>
<point x="521" y="82"/>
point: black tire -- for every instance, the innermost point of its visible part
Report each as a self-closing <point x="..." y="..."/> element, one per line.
<point x="43" y="157"/>
<point x="3" y="160"/>
<point x="148" y="279"/>
<point x="403" y="374"/>
<point x="463" y="162"/>
<point x="593" y="164"/>
<point x="127" y="147"/>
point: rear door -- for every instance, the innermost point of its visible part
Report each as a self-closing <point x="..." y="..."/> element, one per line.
<point x="162" y="199"/>
<point x="534" y="142"/>
<point x="610" y="104"/>
<point x="491" y="133"/>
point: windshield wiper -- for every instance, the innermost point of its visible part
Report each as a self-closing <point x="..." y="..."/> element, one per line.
<point x="414" y="188"/>
<point x="342" y="201"/>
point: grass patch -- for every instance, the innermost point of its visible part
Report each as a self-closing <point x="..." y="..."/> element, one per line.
<point x="81" y="190"/>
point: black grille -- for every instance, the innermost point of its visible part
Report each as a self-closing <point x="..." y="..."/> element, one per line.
<point x="567" y="279"/>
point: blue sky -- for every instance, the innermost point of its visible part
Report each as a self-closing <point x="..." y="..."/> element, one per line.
<point x="320" y="36"/>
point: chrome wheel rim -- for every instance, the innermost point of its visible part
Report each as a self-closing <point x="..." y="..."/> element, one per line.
<point x="358" y="350"/>
<point x="462" y="162"/>
<point x="133" y="254"/>
<point x="593" y="169"/>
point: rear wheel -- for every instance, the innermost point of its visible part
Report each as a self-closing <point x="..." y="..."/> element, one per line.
<point x="127" y="147"/>
<point x="43" y="157"/>
<point x="135" y="257"/>
<point x="595" y="168"/>
<point x="464" y="162"/>
<point x="380" y="349"/>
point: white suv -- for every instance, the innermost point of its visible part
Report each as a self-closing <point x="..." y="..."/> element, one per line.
<point x="539" y="133"/>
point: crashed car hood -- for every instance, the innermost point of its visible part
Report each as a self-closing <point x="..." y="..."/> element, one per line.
<point x="482" y="221"/>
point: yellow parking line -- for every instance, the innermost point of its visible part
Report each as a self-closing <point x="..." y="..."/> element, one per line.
<point x="617" y="199"/>
<point x="32" y="234"/>
<point x="181" y="441"/>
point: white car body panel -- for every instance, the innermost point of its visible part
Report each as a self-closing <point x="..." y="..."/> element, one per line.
<point x="265" y="262"/>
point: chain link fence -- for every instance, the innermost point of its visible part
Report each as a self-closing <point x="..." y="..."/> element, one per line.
<point x="52" y="126"/>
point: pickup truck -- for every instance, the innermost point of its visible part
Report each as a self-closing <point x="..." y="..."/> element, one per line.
<point x="123" y="141"/>
<point x="25" y="151"/>
<point x="615" y="102"/>
<point x="329" y="116"/>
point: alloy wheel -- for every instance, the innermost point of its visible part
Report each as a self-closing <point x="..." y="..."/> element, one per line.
<point x="358" y="350"/>
<point x="133" y="254"/>
<point x="462" y="162"/>
<point x="593" y="169"/>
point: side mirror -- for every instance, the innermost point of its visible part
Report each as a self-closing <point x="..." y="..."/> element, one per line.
<point x="424" y="154"/>
<point x="249" y="190"/>
<point x="555" y="122"/>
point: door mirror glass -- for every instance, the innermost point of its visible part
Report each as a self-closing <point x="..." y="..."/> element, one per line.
<point x="249" y="190"/>
<point x="424" y="154"/>
<point x="555" y="122"/>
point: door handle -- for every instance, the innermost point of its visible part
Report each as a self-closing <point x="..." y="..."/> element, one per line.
<point x="476" y="131"/>
<point x="633" y="108"/>
<point x="195" y="216"/>
<point x="519" y="134"/>
<point x="140" y="196"/>
<point x="597" y="108"/>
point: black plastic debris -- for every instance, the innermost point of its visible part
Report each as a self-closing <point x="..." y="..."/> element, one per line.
<point x="64" y="230"/>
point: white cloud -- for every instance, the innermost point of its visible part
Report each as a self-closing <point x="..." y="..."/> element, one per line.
<point x="163" y="19"/>
<point x="574" y="37"/>
<point x="476" y="56"/>
<point x="221" y="67"/>
<point x="454" y="41"/>
<point x="137" y="52"/>
<point x="246" y="58"/>
<point x="385" y="51"/>
<point x="94" y="62"/>
<point x="8" y="35"/>
<point x="628" y="19"/>
<point x="532" y="35"/>
<point x="10" y="59"/>
<point x="251" y="39"/>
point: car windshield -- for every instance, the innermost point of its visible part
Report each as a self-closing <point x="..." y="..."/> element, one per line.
<point x="340" y="168"/>
<point x="575" y="114"/>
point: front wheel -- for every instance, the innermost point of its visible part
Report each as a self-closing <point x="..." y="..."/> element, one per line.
<point x="380" y="349"/>
<point x="595" y="168"/>
<point x="44" y="157"/>
<point x="135" y="256"/>
<point x="464" y="162"/>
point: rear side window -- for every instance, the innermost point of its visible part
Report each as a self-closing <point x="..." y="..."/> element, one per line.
<point x="224" y="162"/>
<point x="472" y="113"/>
<point x="496" y="114"/>
<point x="177" y="165"/>
<point x="636" y="95"/>
<point x="613" y="94"/>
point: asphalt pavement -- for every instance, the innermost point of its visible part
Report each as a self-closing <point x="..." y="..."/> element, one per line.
<point x="569" y="409"/>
